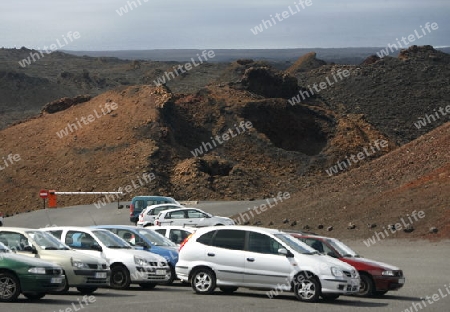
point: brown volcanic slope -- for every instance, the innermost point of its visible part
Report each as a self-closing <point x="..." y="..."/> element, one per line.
<point x="415" y="176"/>
<point x="154" y="131"/>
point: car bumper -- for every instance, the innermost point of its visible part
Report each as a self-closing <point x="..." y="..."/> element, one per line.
<point x="182" y="273"/>
<point x="338" y="285"/>
<point x="385" y="283"/>
<point x="42" y="283"/>
<point x="150" y="274"/>
<point x="89" y="278"/>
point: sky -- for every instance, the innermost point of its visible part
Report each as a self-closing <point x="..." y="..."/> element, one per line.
<point x="201" y="24"/>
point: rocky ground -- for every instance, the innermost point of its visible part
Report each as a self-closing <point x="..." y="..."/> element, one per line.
<point x="234" y="134"/>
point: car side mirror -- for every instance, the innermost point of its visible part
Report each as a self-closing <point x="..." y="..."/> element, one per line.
<point x="331" y="254"/>
<point x="120" y="207"/>
<point x="287" y="253"/>
<point x="97" y="247"/>
<point x="31" y="249"/>
<point x="144" y="245"/>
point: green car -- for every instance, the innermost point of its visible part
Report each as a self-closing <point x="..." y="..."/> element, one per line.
<point x="28" y="276"/>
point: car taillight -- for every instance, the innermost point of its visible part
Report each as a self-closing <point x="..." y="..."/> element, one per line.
<point x="131" y="209"/>
<point x="185" y="241"/>
<point x="157" y="222"/>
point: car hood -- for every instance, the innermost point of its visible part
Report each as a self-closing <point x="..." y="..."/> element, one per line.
<point x="28" y="260"/>
<point x="374" y="263"/>
<point x="76" y="255"/>
<point x="335" y="262"/>
<point x="134" y="252"/>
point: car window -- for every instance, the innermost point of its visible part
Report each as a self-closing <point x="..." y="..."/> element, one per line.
<point x="175" y="215"/>
<point x="56" y="233"/>
<point x="161" y="231"/>
<point x="229" y="239"/>
<point x="262" y="243"/>
<point x="80" y="240"/>
<point x="318" y="245"/>
<point x="177" y="236"/>
<point x="206" y="239"/>
<point x="15" y="241"/>
<point x="195" y="214"/>
<point x="139" y="205"/>
<point x="128" y="236"/>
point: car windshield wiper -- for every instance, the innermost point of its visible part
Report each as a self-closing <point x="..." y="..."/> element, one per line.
<point x="50" y="248"/>
<point x="348" y="256"/>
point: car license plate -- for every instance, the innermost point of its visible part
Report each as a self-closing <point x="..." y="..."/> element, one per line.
<point x="100" y="275"/>
<point x="160" y="272"/>
<point x="56" y="280"/>
<point x="401" y="281"/>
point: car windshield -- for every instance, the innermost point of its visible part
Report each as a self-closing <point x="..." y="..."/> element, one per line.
<point x="343" y="249"/>
<point x="295" y="244"/>
<point x="110" y="240"/>
<point x="156" y="238"/>
<point x="46" y="241"/>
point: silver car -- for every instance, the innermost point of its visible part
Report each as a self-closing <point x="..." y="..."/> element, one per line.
<point x="190" y="217"/>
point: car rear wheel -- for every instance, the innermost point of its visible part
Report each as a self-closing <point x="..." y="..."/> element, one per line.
<point x="9" y="287"/>
<point x="228" y="290"/>
<point x="307" y="288"/>
<point x="120" y="277"/>
<point x="86" y="290"/>
<point x="34" y="296"/>
<point x="147" y="286"/>
<point x="366" y="287"/>
<point x="203" y="281"/>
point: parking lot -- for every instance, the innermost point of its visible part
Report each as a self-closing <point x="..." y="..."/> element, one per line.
<point x="425" y="266"/>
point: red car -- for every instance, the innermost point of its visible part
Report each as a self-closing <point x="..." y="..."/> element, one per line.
<point x="377" y="278"/>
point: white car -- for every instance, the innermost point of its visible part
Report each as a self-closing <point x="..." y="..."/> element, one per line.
<point x="175" y="233"/>
<point x="128" y="265"/>
<point x="190" y="217"/>
<point x="258" y="258"/>
<point x="148" y="215"/>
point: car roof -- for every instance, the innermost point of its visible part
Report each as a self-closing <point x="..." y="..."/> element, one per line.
<point x="152" y="197"/>
<point x="73" y="228"/>
<point x="168" y="227"/>
<point x="241" y="227"/>
<point x="184" y="208"/>
<point x="309" y="235"/>
<point x="115" y="226"/>
<point x="17" y="229"/>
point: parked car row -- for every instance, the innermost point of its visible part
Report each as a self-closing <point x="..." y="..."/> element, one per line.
<point x="82" y="257"/>
<point x="227" y="257"/>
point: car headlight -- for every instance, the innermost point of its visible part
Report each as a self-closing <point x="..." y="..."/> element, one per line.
<point x="37" y="270"/>
<point x="388" y="273"/>
<point x="140" y="261"/>
<point x="337" y="272"/>
<point x="79" y="264"/>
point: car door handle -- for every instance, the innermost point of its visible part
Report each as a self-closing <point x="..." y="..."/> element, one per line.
<point x="210" y="254"/>
<point x="250" y="259"/>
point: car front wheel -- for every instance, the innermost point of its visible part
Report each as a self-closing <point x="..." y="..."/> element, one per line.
<point x="9" y="287"/>
<point x="203" y="281"/>
<point x="120" y="277"/>
<point x="307" y="289"/>
<point x="366" y="287"/>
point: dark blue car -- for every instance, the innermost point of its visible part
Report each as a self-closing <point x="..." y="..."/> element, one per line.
<point x="146" y="239"/>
